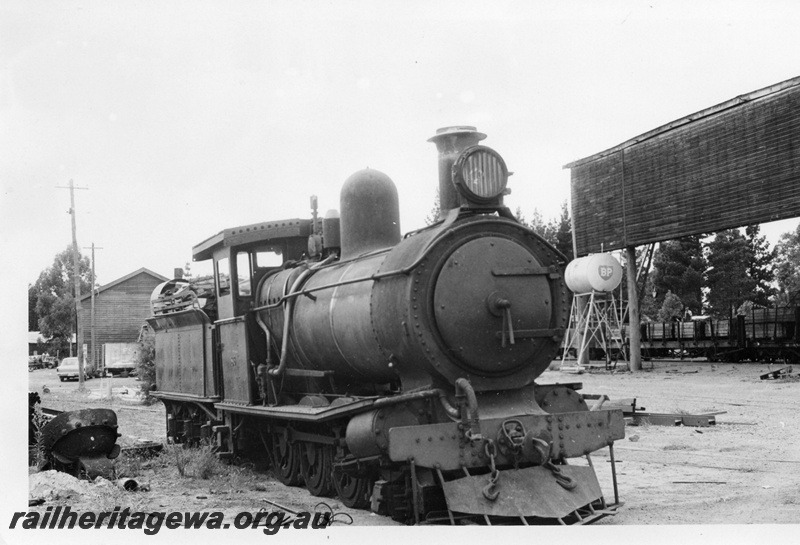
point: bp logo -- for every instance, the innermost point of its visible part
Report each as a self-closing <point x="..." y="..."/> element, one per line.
<point x="605" y="271"/>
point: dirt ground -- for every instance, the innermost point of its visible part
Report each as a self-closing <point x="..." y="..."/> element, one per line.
<point x="745" y="469"/>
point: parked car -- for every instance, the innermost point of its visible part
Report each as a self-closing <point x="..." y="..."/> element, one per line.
<point x="34" y="362"/>
<point x="50" y="362"/>
<point x="69" y="369"/>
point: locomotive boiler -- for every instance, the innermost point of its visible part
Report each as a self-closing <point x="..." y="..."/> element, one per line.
<point x="395" y="372"/>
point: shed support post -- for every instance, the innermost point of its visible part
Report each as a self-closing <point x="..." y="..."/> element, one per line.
<point x="634" y="330"/>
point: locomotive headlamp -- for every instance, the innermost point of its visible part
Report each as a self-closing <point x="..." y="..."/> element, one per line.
<point x="480" y="174"/>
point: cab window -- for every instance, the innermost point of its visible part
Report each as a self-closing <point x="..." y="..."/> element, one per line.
<point x="243" y="274"/>
<point x="269" y="258"/>
<point x="224" y="276"/>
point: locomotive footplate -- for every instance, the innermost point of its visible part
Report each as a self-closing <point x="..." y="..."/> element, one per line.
<point x="443" y="446"/>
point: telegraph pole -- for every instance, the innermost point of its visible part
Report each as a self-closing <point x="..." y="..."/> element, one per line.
<point x="76" y="281"/>
<point x="92" y="348"/>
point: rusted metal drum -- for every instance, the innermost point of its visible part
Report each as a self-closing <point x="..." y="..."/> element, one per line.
<point x="82" y="441"/>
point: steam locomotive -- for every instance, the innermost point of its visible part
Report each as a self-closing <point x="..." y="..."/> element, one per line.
<point x="395" y="372"/>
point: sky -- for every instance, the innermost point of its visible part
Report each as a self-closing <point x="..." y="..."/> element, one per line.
<point x="184" y="118"/>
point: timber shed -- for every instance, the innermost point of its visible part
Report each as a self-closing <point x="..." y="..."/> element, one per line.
<point x="120" y="310"/>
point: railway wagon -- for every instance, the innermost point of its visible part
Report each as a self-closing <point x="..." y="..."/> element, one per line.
<point x="397" y="373"/>
<point x="763" y="334"/>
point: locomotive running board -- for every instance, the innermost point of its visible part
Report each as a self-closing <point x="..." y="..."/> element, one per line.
<point x="529" y="492"/>
<point x="302" y="413"/>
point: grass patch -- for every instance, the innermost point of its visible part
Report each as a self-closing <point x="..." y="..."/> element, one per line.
<point x="200" y="461"/>
<point x="133" y="463"/>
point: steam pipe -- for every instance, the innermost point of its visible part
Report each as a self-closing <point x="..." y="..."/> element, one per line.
<point x="451" y="411"/>
<point x="287" y="315"/>
<point x="264" y="327"/>
<point x="464" y="390"/>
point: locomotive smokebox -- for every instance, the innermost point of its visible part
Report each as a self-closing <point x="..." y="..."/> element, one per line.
<point x="450" y="142"/>
<point x="370" y="213"/>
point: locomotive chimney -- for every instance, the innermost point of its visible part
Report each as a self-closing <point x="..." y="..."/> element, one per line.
<point x="451" y="141"/>
<point x="370" y="213"/>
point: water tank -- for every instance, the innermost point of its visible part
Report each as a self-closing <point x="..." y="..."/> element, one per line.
<point x="598" y="272"/>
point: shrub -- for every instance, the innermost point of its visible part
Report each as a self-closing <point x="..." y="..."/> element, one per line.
<point x="146" y="365"/>
<point x="38" y="420"/>
<point x="198" y="461"/>
<point x="205" y="463"/>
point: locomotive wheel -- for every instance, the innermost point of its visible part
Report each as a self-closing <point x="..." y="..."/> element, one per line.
<point x="354" y="492"/>
<point x="286" y="460"/>
<point x="316" y="467"/>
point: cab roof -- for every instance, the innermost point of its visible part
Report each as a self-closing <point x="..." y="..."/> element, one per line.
<point x="250" y="234"/>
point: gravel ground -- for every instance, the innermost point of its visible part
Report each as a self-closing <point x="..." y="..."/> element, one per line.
<point x="745" y="469"/>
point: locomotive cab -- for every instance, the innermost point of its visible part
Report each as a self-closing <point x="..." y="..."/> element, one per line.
<point x="242" y="256"/>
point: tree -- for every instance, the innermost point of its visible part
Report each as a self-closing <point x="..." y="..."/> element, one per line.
<point x="760" y="267"/>
<point x="648" y="308"/>
<point x="679" y="265"/>
<point x="563" y="233"/>
<point x="433" y="215"/>
<point x="33" y="316"/>
<point x="671" y="308"/>
<point x="537" y="224"/>
<point x="556" y="232"/>
<point x="728" y="282"/>
<point x="787" y="268"/>
<point x="55" y="299"/>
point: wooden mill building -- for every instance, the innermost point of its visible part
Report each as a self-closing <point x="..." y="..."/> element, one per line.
<point x="120" y="309"/>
